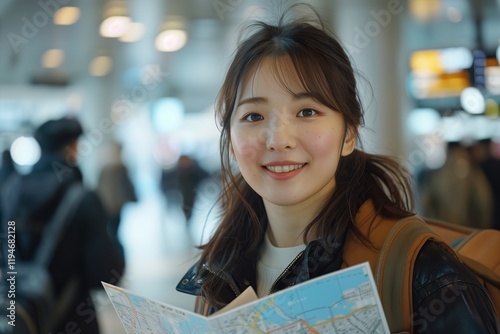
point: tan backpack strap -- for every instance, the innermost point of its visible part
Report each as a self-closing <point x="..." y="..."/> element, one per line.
<point x="475" y="247"/>
<point x="481" y="270"/>
<point x="483" y="246"/>
<point x="395" y="270"/>
<point x="449" y="232"/>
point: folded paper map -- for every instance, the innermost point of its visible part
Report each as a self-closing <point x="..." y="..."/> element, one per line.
<point x="345" y="301"/>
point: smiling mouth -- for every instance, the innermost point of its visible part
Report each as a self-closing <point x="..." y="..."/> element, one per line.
<point x="284" y="169"/>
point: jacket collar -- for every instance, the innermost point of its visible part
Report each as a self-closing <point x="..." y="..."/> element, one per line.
<point x="320" y="257"/>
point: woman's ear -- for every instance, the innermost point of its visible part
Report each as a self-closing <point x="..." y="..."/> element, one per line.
<point x="349" y="141"/>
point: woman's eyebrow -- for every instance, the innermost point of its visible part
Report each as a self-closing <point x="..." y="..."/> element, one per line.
<point x="303" y="96"/>
<point x="254" y="100"/>
<point x="257" y="100"/>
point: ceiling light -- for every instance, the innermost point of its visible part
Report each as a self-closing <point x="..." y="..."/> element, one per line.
<point x="114" y="26"/>
<point x="134" y="32"/>
<point x="67" y="16"/>
<point x="171" y="40"/>
<point x="172" y="36"/>
<point x="116" y="19"/>
<point x="53" y="58"/>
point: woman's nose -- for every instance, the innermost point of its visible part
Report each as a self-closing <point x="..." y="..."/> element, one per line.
<point x="280" y="135"/>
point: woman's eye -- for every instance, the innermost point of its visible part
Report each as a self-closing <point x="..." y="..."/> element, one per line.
<point x="307" y="112"/>
<point x="253" y="117"/>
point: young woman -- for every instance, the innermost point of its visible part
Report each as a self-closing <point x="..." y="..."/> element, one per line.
<point x="297" y="190"/>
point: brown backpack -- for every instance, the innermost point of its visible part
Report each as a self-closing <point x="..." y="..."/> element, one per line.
<point x="479" y="250"/>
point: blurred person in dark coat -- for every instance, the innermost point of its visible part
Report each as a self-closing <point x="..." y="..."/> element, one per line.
<point x="87" y="251"/>
<point x="114" y="185"/>
<point x="181" y="184"/>
<point x="7" y="167"/>
<point x="458" y="192"/>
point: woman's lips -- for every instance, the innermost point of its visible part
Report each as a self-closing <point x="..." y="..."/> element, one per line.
<point x="284" y="168"/>
<point x="283" y="171"/>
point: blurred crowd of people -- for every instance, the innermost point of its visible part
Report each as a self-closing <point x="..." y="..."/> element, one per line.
<point x="466" y="189"/>
<point x="90" y="248"/>
<point x="87" y="251"/>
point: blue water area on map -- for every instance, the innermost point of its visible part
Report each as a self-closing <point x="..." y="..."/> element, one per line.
<point x="322" y="299"/>
<point x="353" y="279"/>
<point x="138" y="301"/>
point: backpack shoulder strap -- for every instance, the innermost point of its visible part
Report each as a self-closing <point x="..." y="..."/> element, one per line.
<point x="58" y="224"/>
<point x="478" y="249"/>
<point x="472" y="245"/>
<point x="394" y="270"/>
<point x="450" y="232"/>
<point x="482" y="246"/>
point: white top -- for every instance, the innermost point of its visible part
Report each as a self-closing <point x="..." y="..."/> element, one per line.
<point x="272" y="262"/>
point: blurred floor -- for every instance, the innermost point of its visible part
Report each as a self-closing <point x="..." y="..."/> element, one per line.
<point x="159" y="249"/>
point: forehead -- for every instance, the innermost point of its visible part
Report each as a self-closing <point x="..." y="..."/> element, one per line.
<point x="271" y="71"/>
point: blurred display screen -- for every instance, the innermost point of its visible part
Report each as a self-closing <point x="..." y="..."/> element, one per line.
<point x="440" y="73"/>
<point x="492" y="76"/>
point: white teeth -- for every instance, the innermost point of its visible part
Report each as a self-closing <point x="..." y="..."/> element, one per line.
<point x="284" y="169"/>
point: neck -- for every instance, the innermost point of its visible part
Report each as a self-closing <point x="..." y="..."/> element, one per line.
<point x="287" y="224"/>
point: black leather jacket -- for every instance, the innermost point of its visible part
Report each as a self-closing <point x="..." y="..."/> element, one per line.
<point x="447" y="297"/>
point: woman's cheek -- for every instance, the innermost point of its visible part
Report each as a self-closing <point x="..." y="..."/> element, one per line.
<point x="323" y="144"/>
<point x="245" y="148"/>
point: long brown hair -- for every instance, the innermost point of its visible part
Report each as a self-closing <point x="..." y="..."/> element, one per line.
<point x="325" y="71"/>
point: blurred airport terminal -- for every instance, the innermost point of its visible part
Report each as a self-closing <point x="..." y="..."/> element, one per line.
<point x="142" y="77"/>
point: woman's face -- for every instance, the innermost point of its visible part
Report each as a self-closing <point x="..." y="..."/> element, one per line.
<point x="287" y="145"/>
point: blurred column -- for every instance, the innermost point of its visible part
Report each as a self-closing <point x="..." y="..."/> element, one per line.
<point x="135" y="77"/>
<point x="371" y="31"/>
